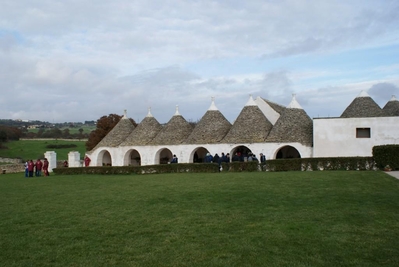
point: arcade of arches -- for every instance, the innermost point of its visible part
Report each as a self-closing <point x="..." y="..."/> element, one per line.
<point x="164" y="156"/>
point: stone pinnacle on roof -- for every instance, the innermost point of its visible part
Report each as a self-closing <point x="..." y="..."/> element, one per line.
<point x="118" y="134"/>
<point x="362" y="106"/>
<point x="251" y="125"/>
<point x="251" y="102"/>
<point x="391" y="108"/>
<point x="149" y="113"/>
<point x="211" y="129"/>
<point x="213" y="106"/>
<point x="177" y="111"/>
<point x="294" y="125"/>
<point x="294" y="103"/>
<point x="174" y="132"/>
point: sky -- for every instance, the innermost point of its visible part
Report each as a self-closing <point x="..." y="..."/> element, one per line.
<point x="75" y="61"/>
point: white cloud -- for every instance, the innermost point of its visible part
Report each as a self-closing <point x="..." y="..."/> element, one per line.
<point x="76" y="61"/>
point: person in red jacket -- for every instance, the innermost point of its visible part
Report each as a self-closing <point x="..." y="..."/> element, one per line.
<point x="31" y="167"/>
<point x="87" y="161"/>
<point x="39" y="166"/>
<point x="45" y="167"/>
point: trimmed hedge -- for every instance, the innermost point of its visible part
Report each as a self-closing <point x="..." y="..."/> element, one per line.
<point x="386" y="155"/>
<point x="305" y="164"/>
<point x="314" y="164"/>
<point x="58" y="146"/>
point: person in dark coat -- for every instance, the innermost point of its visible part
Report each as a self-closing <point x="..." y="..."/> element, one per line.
<point x="236" y="157"/>
<point x="262" y="157"/>
<point x="174" y="159"/>
<point x="216" y="158"/>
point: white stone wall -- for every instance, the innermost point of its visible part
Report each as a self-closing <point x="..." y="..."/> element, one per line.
<point x="149" y="155"/>
<point x="336" y="137"/>
<point x="52" y="160"/>
<point x="74" y="159"/>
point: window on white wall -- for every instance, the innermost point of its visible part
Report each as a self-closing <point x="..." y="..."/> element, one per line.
<point x="363" y="133"/>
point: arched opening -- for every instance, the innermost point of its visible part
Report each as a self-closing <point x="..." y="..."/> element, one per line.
<point x="132" y="158"/>
<point x="240" y="153"/>
<point x="104" y="159"/>
<point x="198" y="155"/>
<point x="287" y="152"/>
<point x="163" y="156"/>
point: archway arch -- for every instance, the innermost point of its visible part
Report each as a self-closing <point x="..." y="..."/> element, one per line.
<point x="287" y="152"/>
<point x="242" y="153"/>
<point x="104" y="158"/>
<point x="198" y="155"/>
<point x="132" y="158"/>
<point x="163" y="156"/>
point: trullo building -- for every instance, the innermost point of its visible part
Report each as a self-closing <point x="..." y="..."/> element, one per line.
<point x="261" y="127"/>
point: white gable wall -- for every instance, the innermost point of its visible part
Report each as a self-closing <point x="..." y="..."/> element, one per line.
<point x="267" y="110"/>
<point x="336" y="137"/>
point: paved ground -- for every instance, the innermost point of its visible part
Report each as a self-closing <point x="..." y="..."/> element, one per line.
<point x="394" y="174"/>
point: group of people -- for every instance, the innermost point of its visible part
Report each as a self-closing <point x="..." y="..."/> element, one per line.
<point x="217" y="159"/>
<point x="38" y="168"/>
<point x="238" y="156"/>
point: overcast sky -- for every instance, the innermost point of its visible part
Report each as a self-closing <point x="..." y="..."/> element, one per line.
<point x="80" y="60"/>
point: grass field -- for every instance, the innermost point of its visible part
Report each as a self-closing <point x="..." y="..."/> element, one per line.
<point x="222" y="219"/>
<point x="34" y="149"/>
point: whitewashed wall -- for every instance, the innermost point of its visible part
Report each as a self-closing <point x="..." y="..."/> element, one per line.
<point x="336" y="137"/>
<point x="150" y="154"/>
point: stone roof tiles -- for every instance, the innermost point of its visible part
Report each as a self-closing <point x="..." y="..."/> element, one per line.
<point x="391" y="108"/>
<point x="362" y="106"/>
<point x="294" y="125"/>
<point x="174" y="132"/>
<point x="147" y="130"/>
<point x="118" y="134"/>
<point x="251" y="126"/>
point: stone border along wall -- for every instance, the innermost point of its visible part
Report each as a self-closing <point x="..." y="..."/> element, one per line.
<point x="10" y="160"/>
<point x="12" y="168"/>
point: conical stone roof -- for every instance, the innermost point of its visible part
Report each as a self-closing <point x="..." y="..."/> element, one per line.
<point x="251" y="126"/>
<point x="211" y="129"/>
<point x="391" y="108"/>
<point x="118" y="134"/>
<point x="147" y="130"/>
<point x="294" y="125"/>
<point x="174" y="132"/>
<point x="362" y="106"/>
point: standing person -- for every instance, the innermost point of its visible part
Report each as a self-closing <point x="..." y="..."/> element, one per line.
<point x="208" y="158"/>
<point x="262" y="157"/>
<point x="45" y="167"/>
<point x="236" y="157"/>
<point x="87" y="161"/>
<point x="26" y="169"/>
<point x="31" y="167"/>
<point x="174" y="159"/>
<point x="39" y="166"/>
<point x="216" y="158"/>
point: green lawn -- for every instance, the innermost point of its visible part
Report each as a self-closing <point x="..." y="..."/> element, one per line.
<point x="34" y="149"/>
<point x="331" y="218"/>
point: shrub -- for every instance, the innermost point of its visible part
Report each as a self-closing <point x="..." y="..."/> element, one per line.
<point x="386" y="155"/>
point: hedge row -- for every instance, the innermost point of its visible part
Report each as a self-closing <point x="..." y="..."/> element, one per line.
<point x="305" y="164"/>
<point x="386" y="155"/>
